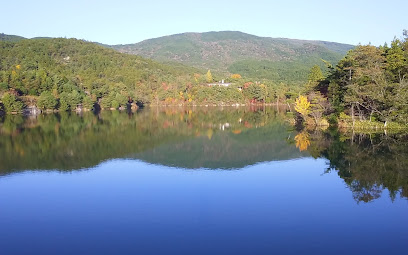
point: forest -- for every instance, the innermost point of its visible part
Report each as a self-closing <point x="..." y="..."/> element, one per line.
<point x="65" y="74"/>
<point x="367" y="86"/>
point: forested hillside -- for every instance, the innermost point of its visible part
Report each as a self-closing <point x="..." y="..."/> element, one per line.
<point x="275" y="59"/>
<point x="64" y="73"/>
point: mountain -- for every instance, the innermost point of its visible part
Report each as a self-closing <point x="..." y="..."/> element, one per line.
<point x="10" y="38"/>
<point x="277" y="59"/>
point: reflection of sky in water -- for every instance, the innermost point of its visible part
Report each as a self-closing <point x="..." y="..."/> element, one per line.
<point x="127" y="206"/>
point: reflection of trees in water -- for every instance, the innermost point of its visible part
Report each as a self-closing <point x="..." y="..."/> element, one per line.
<point x="365" y="192"/>
<point x="302" y="141"/>
<point x="368" y="163"/>
<point x="70" y="141"/>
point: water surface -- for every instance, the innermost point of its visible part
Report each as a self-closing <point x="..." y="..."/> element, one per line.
<point x="198" y="181"/>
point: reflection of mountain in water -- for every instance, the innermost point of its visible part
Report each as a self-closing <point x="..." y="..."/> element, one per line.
<point x="226" y="149"/>
<point x="176" y="137"/>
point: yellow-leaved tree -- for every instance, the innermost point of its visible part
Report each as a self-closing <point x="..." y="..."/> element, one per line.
<point x="302" y="106"/>
<point x="236" y="76"/>
<point x="209" y="76"/>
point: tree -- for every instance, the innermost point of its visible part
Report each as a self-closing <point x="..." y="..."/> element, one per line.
<point x="88" y="103"/>
<point x="396" y="62"/>
<point x="46" y="101"/>
<point x="69" y="101"/>
<point x="3" y="87"/>
<point x="236" y="76"/>
<point x="256" y="92"/>
<point x="368" y="89"/>
<point x="302" y="106"/>
<point x="319" y="106"/>
<point x="209" y="76"/>
<point x="11" y="103"/>
<point x="315" y="76"/>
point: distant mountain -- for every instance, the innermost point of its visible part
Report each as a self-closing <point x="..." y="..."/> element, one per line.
<point x="278" y="59"/>
<point x="10" y="38"/>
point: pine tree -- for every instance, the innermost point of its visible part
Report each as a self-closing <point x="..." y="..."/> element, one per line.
<point x="315" y="76"/>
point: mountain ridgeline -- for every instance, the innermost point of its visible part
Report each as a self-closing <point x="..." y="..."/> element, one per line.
<point x="10" y="38"/>
<point x="276" y="59"/>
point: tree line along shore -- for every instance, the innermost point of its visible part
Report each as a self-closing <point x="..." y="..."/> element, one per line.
<point x="367" y="88"/>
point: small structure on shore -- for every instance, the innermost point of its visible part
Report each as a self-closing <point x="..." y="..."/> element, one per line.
<point x="220" y="83"/>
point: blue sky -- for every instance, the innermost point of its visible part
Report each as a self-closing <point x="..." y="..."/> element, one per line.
<point x="120" y="22"/>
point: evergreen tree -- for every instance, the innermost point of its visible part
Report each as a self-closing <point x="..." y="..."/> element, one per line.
<point x="315" y="76"/>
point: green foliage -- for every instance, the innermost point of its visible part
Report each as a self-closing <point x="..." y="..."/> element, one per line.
<point x="293" y="72"/>
<point x="88" y="103"/>
<point x="3" y="87"/>
<point x="63" y="104"/>
<point x="10" y="38"/>
<point x="115" y="104"/>
<point x="396" y="65"/>
<point x="105" y="102"/>
<point x="219" y="95"/>
<point x="77" y="72"/>
<point x="368" y="162"/>
<point x="71" y="69"/>
<point x="69" y="101"/>
<point x="11" y="103"/>
<point x="67" y="141"/>
<point x="256" y="92"/>
<point x="315" y="76"/>
<point x="46" y="101"/>
<point x="275" y="59"/>
<point x="370" y="83"/>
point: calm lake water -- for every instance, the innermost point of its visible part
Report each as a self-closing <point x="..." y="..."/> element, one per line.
<point x="198" y="181"/>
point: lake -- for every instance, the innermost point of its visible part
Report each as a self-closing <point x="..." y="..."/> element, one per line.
<point x="198" y="181"/>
